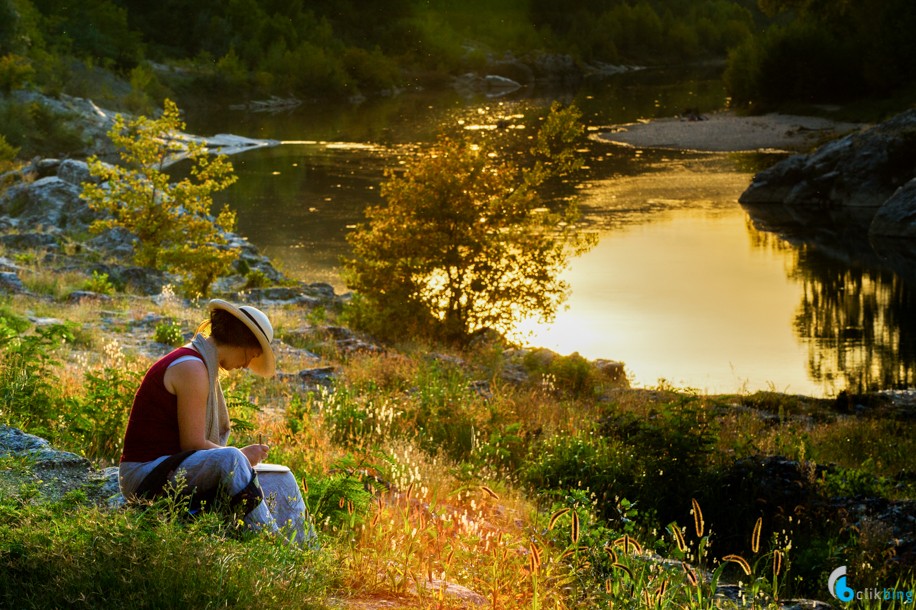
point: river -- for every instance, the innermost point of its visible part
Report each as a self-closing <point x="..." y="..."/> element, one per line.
<point x="682" y="287"/>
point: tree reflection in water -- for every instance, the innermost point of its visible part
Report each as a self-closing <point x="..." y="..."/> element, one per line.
<point x="857" y="313"/>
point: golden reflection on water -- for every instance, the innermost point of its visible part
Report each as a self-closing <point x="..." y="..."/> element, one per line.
<point x="689" y="300"/>
<point x="681" y="286"/>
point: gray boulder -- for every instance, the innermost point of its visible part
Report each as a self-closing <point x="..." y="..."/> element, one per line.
<point x="38" y="451"/>
<point x="848" y="179"/>
<point x="11" y="284"/>
<point x="75" y="172"/>
<point x="48" y="202"/>
<point x="53" y="472"/>
<point x="897" y="217"/>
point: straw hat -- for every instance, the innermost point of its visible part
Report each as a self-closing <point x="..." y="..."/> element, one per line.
<point x="264" y="365"/>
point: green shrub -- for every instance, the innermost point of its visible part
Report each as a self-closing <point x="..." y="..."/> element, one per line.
<point x="171" y="220"/>
<point x="15" y="71"/>
<point x="850" y="482"/>
<point x="30" y="398"/>
<point x="371" y="70"/>
<point x="350" y="420"/>
<point x="37" y="130"/>
<point x="445" y="413"/>
<point x="767" y="69"/>
<point x="676" y="443"/>
<point x="338" y="500"/>
<point x="100" y="283"/>
<point x="169" y="333"/>
<point x="572" y="374"/>
<point x="8" y="153"/>
<point x="601" y="466"/>
<point x="504" y="450"/>
<point x="255" y="278"/>
<point x="309" y="70"/>
<point x="97" y="418"/>
<point x="146" y="90"/>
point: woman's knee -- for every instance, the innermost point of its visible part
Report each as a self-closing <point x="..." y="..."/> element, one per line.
<point x="230" y="460"/>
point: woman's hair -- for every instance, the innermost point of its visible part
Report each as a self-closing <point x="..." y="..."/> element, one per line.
<point x="226" y="329"/>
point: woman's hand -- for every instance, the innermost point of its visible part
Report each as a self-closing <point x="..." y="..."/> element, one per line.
<point x="255" y="453"/>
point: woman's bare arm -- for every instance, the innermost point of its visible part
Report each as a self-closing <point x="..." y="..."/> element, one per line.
<point x="190" y="382"/>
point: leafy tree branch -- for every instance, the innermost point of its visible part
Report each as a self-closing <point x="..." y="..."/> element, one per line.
<point x="171" y="221"/>
<point x="466" y="240"/>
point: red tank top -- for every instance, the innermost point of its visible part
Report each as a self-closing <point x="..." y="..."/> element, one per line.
<point x="152" y="430"/>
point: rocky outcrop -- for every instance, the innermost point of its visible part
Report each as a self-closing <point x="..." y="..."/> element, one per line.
<point x="863" y="178"/>
<point x="50" y="204"/>
<point x="53" y="472"/>
<point x="42" y="209"/>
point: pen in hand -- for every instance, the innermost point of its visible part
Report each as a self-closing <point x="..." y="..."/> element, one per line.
<point x="261" y="444"/>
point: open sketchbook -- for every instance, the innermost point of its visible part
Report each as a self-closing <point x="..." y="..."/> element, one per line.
<point x="262" y="467"/>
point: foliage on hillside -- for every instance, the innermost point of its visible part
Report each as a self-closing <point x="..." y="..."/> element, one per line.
<point x="347" y="47"/>
<point x="791" y="50"/>
<point x="818" y="52"/>
<point x="532" y="480"/>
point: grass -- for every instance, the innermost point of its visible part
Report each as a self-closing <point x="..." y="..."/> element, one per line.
<point x="93" y="558"/>
<point x="430" y="477"/>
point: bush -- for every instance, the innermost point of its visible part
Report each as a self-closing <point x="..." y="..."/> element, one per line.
<point x="371" y="70"/>
<point x="445" y="416"/>
<point x="572" y="374"/>
<point x="602" y="467"/>
<point x="169" y="333"/>
<point x="676" y="443"/>
<point x="493" y="250"/>
<point x="171" y="221"/>
<point x="794" y="63"/>
<point x="92" y="558"/>
<point x="15" y="71"/>
<point x="100" y="283"/>
<point x="7" y="152"/>
<point x="97" y="419"/>
<point x="30" y="398"/>
<point x="37" y="131"/>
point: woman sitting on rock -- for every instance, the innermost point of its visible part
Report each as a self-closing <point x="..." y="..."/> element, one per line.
<point x="179" y="427"/>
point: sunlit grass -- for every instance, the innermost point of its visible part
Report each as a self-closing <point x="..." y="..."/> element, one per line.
<point x="419" y="467"/>
<point x="94" y="558"/>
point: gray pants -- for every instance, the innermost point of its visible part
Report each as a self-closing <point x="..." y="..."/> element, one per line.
<point x="282" y="510"/>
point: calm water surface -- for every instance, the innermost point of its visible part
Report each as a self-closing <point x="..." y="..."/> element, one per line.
<point x="682" y="286"/>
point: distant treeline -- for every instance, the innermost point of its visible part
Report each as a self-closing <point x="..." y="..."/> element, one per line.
<point x="778" y="50"/>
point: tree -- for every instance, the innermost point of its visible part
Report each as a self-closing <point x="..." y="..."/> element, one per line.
<point x="171" y="221"/>
<point x="466" y="240"/>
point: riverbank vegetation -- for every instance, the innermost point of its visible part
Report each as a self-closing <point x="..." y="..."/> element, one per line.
<point x="826" y="54"/>
<point x="170" y="222"/>
<point x="492" y="247"/>
<point x="131" y="56"/>
<point x="524" y="478"/>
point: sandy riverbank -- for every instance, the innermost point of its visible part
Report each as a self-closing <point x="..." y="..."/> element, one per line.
<point x="729" y="132"/>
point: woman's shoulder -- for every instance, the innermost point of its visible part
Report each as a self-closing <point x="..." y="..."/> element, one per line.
<point x="181" y="353"/>
<point x="185" y="369"/>
<point x="176" y="357"/>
